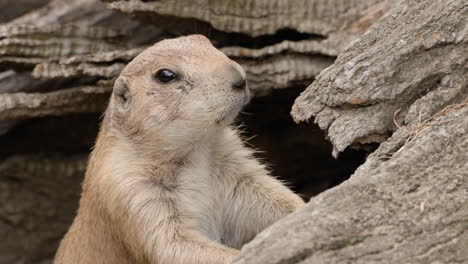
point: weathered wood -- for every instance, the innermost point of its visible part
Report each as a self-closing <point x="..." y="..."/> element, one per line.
<point x="84" y="99"/>
<point x="260" y="17"/>
<point x="406" y="204"/>
<point x="410" y="65"/>
<point x="403" y="82"/>
<point x="28" y="45"/>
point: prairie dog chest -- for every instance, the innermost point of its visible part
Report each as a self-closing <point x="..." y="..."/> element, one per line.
<point x="199" y="195"/>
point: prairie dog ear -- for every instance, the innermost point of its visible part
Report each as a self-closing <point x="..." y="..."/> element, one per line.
<point x="121" y="94"/>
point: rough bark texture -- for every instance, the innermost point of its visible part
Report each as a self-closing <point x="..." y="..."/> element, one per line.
<point x="412" y="64"/>
<point x="259" y="17"/>
<point x="86" y="99"/>
<point x="408" y="203"/>
<point x="25" y="46"/>
<point x="403" y="82"/>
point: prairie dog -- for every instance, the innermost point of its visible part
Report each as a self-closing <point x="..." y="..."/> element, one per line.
<point x="169" y="181"/>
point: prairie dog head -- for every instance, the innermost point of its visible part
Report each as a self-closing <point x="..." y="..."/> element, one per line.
<point x="178" y="89"/>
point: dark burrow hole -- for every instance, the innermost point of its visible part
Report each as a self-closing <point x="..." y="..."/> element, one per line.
<point x="247" y="41"/>
<point x="51" y="135"/>
<point x="222" y="39"/>
<point x="296" y="153"/>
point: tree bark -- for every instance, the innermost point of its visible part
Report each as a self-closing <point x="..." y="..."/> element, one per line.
<point x="403" y="82"/>
<point x="406" y="204"/>
<point x="410" y="65"/>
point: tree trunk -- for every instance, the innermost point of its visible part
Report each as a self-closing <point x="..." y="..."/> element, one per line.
<point x="404" y="82"/>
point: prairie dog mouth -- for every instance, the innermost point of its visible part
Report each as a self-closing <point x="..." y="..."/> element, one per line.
<point x="233" y="108"/>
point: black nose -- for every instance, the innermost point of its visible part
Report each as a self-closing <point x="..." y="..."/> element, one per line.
<point x="237" y="77"/>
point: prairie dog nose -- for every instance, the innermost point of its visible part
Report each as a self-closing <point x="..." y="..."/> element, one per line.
<point x="237" y="77"/>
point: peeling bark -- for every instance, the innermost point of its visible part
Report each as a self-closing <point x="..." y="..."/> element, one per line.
<point x="27" y="46"/>
<point x="406" y="204"/>
<point x="255" y="18"/>
<point x="87" y="99"/>
<point x="415" y="70"/>
<point x="403" y="83"/>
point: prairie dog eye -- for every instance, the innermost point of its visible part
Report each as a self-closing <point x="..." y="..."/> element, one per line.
<point x="165" y="76"/>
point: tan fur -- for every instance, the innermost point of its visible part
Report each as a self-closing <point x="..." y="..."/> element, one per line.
<point x="168" y="180"/>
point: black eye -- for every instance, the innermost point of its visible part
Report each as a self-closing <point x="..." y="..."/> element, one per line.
<point x="165" y="76"/>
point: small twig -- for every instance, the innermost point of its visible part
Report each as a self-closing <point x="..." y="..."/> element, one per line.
<point x="395" y="117"/>
<point x="424" y="125"/>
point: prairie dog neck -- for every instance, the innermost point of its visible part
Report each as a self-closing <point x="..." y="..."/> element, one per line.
<point x="118" y="156"/>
